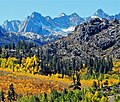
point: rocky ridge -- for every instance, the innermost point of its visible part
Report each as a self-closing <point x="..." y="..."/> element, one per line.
<point x="95" y="38"/>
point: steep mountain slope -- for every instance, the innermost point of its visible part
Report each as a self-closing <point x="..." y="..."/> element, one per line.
<point x="96" y="38"/>
<point x="8" y="37"/>
<point x="66" y="21"/>
<point x="13" y="37"/>
<point x="75" y="19"/>
<point x="11" y="25"/>
<point x="35" y="23"/>
<point x="62" y="21"/>
<point x="2" y="31"/>
<point x="117" y="16"/>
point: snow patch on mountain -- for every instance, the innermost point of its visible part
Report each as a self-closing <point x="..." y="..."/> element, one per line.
<point x="70" y="29"/>
<point x="61" y="15"/>
<point x="30" y="35"/>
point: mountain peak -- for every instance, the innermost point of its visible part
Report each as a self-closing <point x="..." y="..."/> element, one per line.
<point x="101" y="14"/>
<point x="48" y="17"/>
<point x="61" y="15"/>
<point x="74" y="14"/>
<point x="35" y="14"/>
<point x="99" y="11"/>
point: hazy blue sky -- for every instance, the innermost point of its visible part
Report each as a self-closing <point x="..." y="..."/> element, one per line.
<point x="20" y="9"/>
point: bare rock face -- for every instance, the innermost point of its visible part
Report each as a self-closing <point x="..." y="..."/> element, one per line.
<point x="96" y="38"/>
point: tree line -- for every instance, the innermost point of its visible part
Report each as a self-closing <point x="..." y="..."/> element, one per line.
<point x="46" y="61"/>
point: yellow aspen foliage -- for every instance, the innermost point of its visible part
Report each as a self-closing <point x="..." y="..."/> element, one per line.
<point x="103" y="99"/>
<point x="88" y="94"/>
<point x="28" y="71"/>
<point x="33" y="72"/>
<point x="17" y="67"/>
<point x="58" y="75"/>
<point x="3" y="63"/>
<point x="96" y="93"/>
<point x="95" y="97"/>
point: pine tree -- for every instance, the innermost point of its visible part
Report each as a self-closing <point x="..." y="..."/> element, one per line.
<point x="110" y="64"/>
<point x="90" y="70"/>
<point x="80" y="64"/>
<point x="63" y="73"/>
<point x="65" y="91"/>
<point x="5" y="46"/>
<point x="86" y="63"/>
<point x="74" y="64"/>
<point x="0" y="50"/>
<point x="76" y="82"/>
<point x="91" y="62"/>
<point x="2" y="96"/>
<point x="101" y="69"/>
<point x="94" y="84"/>
<point x="96" y="65"/>
<point x="12" y="46"/>
<point x="44" y="98"/>
<point x="11" y="93"/>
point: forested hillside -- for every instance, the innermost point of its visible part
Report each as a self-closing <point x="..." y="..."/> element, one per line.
<point x="90" y="54"/>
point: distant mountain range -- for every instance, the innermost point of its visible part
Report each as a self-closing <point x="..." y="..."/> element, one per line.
<point x="39" y="24"/>
<point x="40" y="28"/>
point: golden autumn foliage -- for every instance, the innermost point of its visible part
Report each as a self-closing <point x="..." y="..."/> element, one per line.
<point x="28" y="65"/>
<point x="28" y="84"/>
<point x="34" y="84"/>
<point x="103" y="99"/>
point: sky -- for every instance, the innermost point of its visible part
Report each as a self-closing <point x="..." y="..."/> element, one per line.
<point x="20" y="9"/>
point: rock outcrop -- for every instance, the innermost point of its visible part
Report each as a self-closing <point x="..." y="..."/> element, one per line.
<point x="96" y="38"/>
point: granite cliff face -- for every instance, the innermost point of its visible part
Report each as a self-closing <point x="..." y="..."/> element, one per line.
<point x="96" y="38"/>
